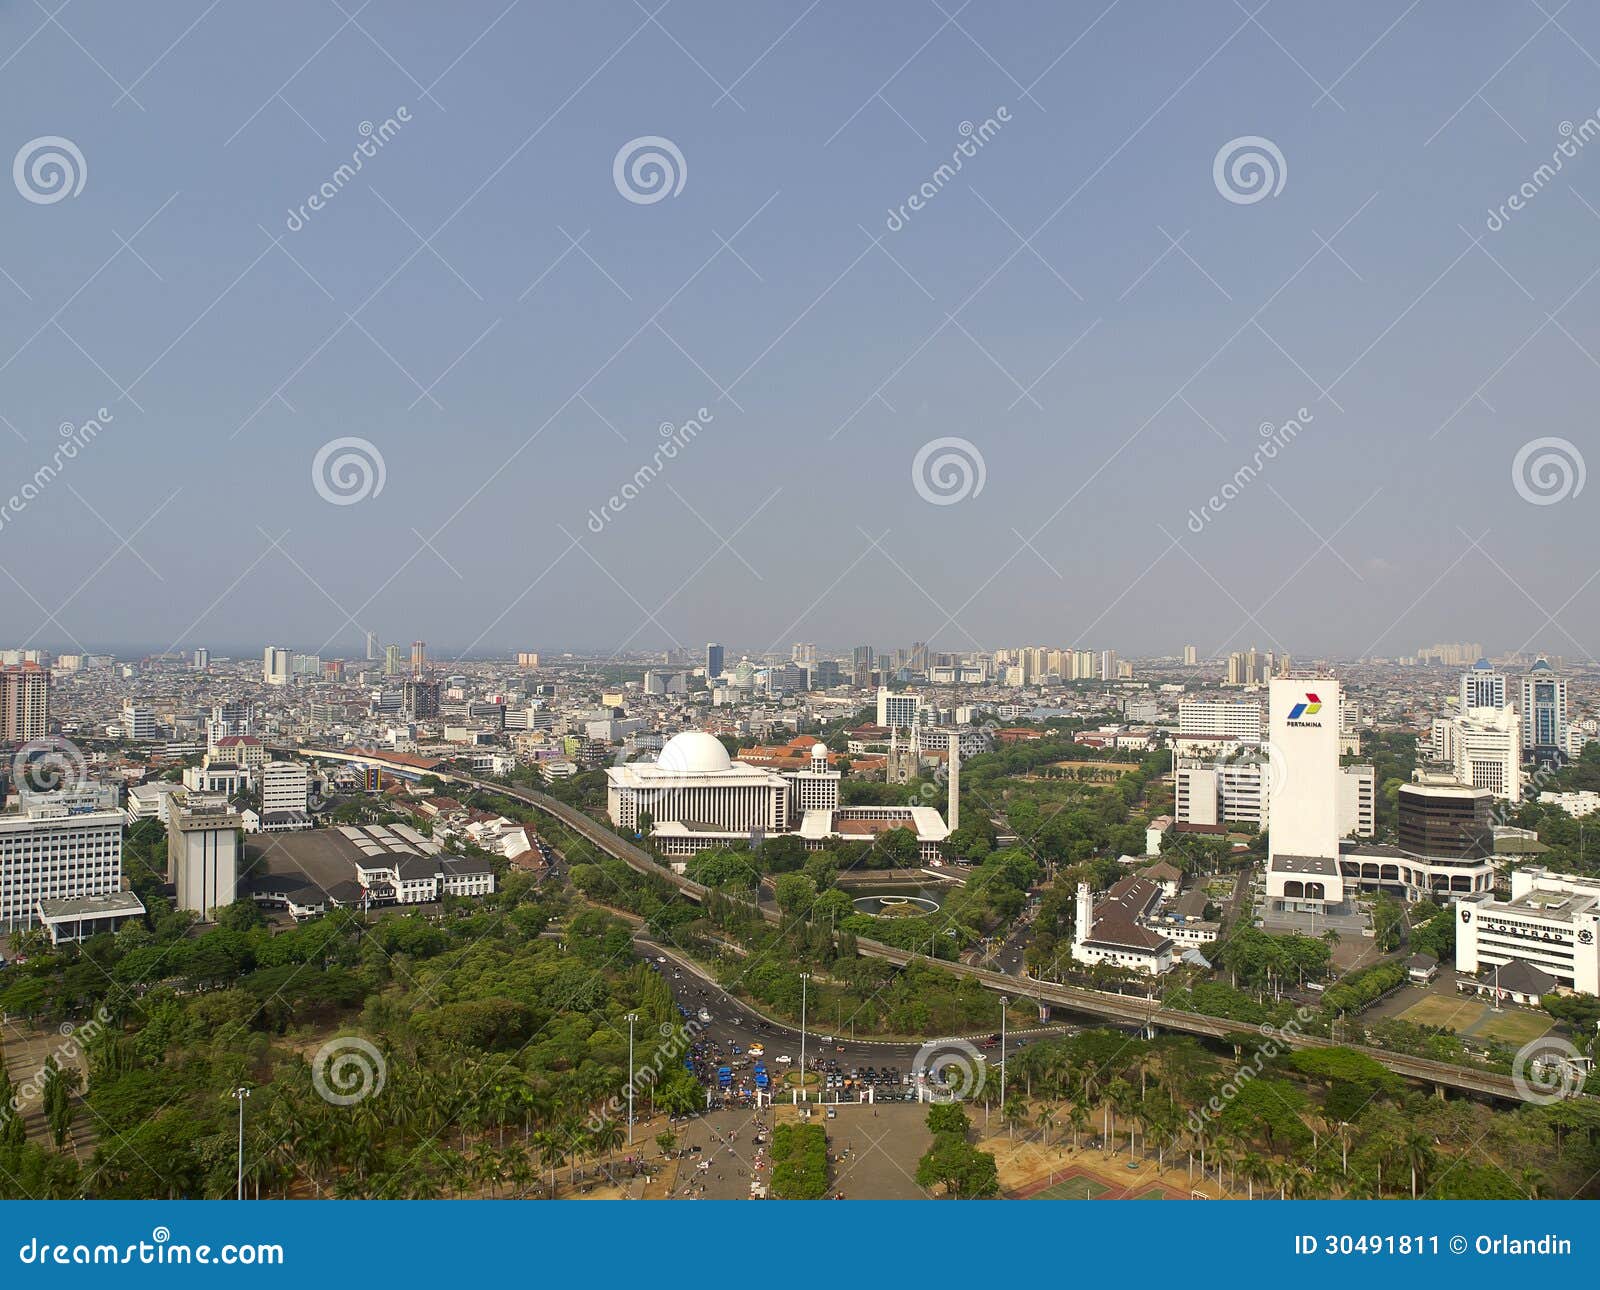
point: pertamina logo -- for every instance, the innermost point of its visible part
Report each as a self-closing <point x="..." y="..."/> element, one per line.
<point x="1309" y="708"/>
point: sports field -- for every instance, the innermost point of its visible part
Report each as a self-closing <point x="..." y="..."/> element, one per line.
<point x="1471" y="1018"/>
<point x="1082" y="1183"/>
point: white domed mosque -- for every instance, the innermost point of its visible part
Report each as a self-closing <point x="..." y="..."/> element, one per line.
<point x="697" y="797"/>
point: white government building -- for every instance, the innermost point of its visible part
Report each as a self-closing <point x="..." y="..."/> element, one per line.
<point x="1551" y="922"/>
<point x="52" y="853"/>
<point x="697" y="797"/>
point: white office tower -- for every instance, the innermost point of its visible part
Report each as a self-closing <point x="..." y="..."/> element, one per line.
<point x="285" y="786"/>
<point x="898" y="711"/>
<point x="1482" y="687"/>
<point x="372" y="647"/>
<point x="274" y="666"/>
<point x="1189" y="655"/>
<point x="203" y="854"/>
<point x="202" y="659"/>
<point x="1442" y="739"/>
<point x="1241" y="721"/>
<point x="138" y="722"/>
<point x="55" y="851"/>
<point x="1486" y="748"/>
<point x="1304" y="733"/>
<point x="1358" y="801"/>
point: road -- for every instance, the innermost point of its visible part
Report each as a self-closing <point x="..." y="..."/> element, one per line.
<point x="1117" y="1008"/>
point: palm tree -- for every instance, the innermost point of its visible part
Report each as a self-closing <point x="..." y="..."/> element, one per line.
<point x="1015" y="1113"/>
<point x="1078" y="1113"/>
<point x="1418" y="1151"/>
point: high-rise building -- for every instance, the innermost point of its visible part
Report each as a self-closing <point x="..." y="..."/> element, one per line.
<point x="528" y="660"/>
<point x="202" y="659"/>
<point x="1443" y="819"/>
<point x="275" y="666"/>
<point x="285" y="787"/>
<point x="1190" y="656"/>
<point x="393" y="660"/>
<point x="861" y="667"/>
<point x="714" y="660"/>
<point x="1240" y="721"/>
<point x="1304" y="733"/>
<point x="898" y="711"/>
<point x="24" y="703"/>
<point x="421" y="698"/>
<point x="1485" y="745"/>
<point x="824" y="674"/>
<point x="372" y="646"/>
<point x="203" y="854"/>
<point x="419" y="657"/>
<point x="138" y="722"/>
<point x="803" y="653"/>
<point x="1482" y="687"/>
<point x="54" y="852"/>
<point x="1544" y="711"/>
<point x="1109" y="669"/>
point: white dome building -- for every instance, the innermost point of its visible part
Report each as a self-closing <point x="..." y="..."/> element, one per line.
<point x="694" y="752"/>
<point x="697" y="797"/>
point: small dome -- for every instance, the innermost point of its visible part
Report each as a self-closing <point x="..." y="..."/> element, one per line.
<point x="694" y="752"/>
<point x="819" y="752"/>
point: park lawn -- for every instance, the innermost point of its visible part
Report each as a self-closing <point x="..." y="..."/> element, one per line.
<point x="1446" y="1011"/>
<point x="1514" y="1027"/>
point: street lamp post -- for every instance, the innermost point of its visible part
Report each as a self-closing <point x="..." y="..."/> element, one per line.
<point x="632" y="1017"/>
<point x="804" y="977"/>
<point x="1004" y="1002"/>
<point x="241" y="1093"/>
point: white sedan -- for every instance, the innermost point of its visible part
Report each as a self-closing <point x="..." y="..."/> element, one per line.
<point x="783" y="1059"/>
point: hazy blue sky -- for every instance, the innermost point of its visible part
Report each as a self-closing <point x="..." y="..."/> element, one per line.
<point x="826" y="362"/>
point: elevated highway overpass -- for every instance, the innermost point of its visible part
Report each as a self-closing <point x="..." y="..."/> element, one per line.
<point x="1119" y="1009"/>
